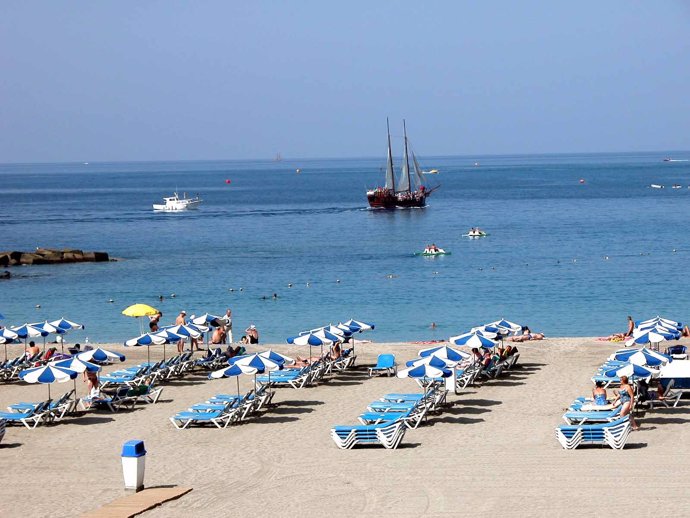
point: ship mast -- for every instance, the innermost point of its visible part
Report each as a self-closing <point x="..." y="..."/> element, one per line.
<point x="390" y="176"/>
<point x="405" y="179"/>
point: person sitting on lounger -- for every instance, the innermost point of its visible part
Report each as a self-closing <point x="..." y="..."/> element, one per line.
<point x="32" y="350"/>
<point x="218" y="336"/>
<point x="645" y="393"/>
<point x="336" y="351"/>
<point x="599" y="394"/>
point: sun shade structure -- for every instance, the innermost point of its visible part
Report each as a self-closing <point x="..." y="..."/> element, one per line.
<point x="472" y="339"/>
<point x="642" y="357"/>
<point x="139" y="310"/>
<point x="47" y="374"/>
<point x="445" y="352"/>
<point x="632" y="371"/>
<point x="99" y="355"/>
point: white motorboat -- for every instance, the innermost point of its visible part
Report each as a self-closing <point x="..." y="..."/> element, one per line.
<point x="175" y="204"/>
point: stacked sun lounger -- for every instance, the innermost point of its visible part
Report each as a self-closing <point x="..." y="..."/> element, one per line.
<point x="223" y="409"/>
<point x="386" y="420"/>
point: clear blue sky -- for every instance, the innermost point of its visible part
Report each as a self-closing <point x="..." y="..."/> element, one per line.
<point x="168" y="80"/>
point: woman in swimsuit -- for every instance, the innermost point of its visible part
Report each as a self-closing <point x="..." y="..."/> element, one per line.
<point x="599" y="394"/>
<point x="626" y="396"/>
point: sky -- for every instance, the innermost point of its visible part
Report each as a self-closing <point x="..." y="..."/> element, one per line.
<point x="212" y="80"/>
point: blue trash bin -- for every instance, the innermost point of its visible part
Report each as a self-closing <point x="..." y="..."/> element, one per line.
<point x="133" y="465"/>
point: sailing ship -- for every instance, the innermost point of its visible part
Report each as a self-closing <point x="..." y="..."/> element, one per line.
<point x="409" y="190"/>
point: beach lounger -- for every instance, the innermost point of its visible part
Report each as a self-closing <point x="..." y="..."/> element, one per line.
<point x="31" y="417"/>
<point x="671" y="397"/>
<point x="218" y="418"/>
<point x="385" y="364"/>
<point x="613" y="434"/>
<point x="389" y="435"/>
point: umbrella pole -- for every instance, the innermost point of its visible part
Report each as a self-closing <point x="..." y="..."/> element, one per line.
<point x="5" y="352"/>
<point x="148" y="354"/>
<point x="164" y="344"/>
<point x="238" y="386"/>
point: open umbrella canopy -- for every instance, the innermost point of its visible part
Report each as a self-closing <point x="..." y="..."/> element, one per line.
<point x="424" y="371"/>
<point x="146" y="339"/>
<point x="433" y="361"/>
<point x="472" y="339"/>
<point x="338" y="330"/>
<point x="139" y="310"/>
<point x="99" y="355"/>
<point x="667" y="322"/>
<point x="167" y="335"/>
<point x="255" y="361"/>
<point x="646" y="338"/>
<point x="66" y="325"/>
<point x="76" y="365"/>
<point x="642" y="356"/>
<point x="277" y="357"/>
<point x="357" y="325"/>
<point x="48" y="327"/>
<point x="444" y="352"/>
<point x="47" y="374"/>
<point x="29" y="331"/>
<point x="7" y="336"/>
<point x="632" y="371"/>
<point x="233" y="370"/>
<point x="206" y="319"/>
<point x="511" y="327"/>
<point x="490" y="331"/>
<point x="309" y="339"/>
<point x="327" y="335"/>
<point x="671" y="333"/>
<point x="187" y="330"/>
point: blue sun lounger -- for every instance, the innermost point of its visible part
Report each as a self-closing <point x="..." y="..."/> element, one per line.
<point x="614" y="434"/>
<point x="592" y="416"/>
<point x="31" y="417"/>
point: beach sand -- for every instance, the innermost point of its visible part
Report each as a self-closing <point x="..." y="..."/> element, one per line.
<point x="492" y="452"/>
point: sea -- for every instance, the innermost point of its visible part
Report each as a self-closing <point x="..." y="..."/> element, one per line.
<point x="575" y="244"/>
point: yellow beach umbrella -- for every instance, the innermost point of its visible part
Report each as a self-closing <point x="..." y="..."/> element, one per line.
<point x="139" y="310"/>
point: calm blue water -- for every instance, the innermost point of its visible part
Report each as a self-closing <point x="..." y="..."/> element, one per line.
<point x="543" y="263"/>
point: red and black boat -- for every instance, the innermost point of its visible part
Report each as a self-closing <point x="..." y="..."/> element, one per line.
<point x="409" y="191"/>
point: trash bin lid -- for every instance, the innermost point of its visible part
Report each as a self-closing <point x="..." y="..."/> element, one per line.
<point x="133" y="449"/>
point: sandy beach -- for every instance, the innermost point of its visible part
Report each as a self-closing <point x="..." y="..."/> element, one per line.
<point x="493" y="451"/>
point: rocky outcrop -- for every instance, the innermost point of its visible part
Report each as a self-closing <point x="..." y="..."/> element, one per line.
<point x="51" y="256"/>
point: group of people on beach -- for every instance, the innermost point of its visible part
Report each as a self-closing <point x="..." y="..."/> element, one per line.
<point x="222" y="334"/>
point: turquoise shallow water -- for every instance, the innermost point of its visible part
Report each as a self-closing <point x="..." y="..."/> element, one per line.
<point x="565" y="257"/>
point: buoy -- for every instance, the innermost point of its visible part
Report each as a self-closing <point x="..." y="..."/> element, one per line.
<point x="337" y="281"/>
<point x="674" y="249"/>
<point x="231" y="289"/>
<point x="298" y="170"/>
<point x="241" y="289"/>
<point x="228" y="181"/>
<point x="38" y="306"/>
<point x="582" y="180"/>
<point x="307" y="285"/>
<point x="172" y="295"/>
<point x="289" y="285"/>
<point x="111" y="300"/>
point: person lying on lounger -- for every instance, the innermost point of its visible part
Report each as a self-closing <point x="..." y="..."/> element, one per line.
<point x="527" y="335"/>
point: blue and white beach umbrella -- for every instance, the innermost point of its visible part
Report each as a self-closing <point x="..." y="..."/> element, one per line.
<point x="99" y="355"/>
<point x="632" y="371"/>
<point x="29" y="331"/>
<point x="206" y="320"/>
<point x="667" y="322"/>
<point x="66" y="325"/>
<point x="424" y="372"/>
<point x="257" y="362"/>
<point x="343" y="331"/>
<point x="47" y="374"/>
<point x="671" y="333"/>
<point x="490" y="331"/>
<point x="187" y="330"/>
<point x="476" y="339"/>
<point x="233" y="370"/>
<point x="277" y="357"/>
<point x="445" y="352"/>
<point x="309" y="339"/>
<point x="646" y="338"/>
<point x="510" y="327"/>
<point x="7" y="336"/>
<point x="359" y="326"/>
<point x="147" y="339"/>
<point x="433" y="361"/>
<point x="642" y="356"/>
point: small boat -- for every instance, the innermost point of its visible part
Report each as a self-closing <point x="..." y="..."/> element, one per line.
<point x="676" y="186"/>
<point x="431" y="252"/>
<point x="405" y="192"/>
<point x="431" y="171"/>
<point x="656" y="186"/>
<point x="175" y="204"/>
<point x="675" y="159"/>
<point x="475" y="232"/>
